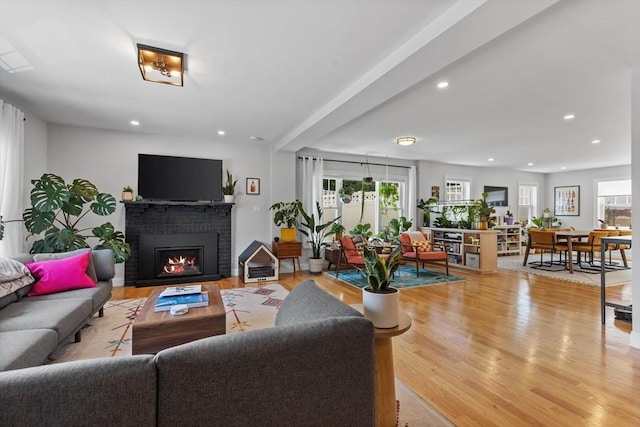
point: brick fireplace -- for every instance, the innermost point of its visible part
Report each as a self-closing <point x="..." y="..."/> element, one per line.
<point x="177" y="242"/>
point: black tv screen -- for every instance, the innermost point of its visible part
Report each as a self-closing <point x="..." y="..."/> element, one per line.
<point x="179" y="178"/>
<point x="497" y="196"/>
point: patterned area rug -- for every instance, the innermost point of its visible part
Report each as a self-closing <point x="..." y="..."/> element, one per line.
<point x="514" y="263"/>
<point x="247" y="308"/>
<point x="405" y="277"/>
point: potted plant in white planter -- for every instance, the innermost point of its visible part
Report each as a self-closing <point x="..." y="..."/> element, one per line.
<point x="316" y="233"/>
<point x="228" y="189"/>
<point x="381" y="302"/>
<point x="286" y="216"/>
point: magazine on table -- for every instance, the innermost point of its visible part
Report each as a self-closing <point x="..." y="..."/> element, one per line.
<point x="181" y="290"/>
<point x="191" y="300"/>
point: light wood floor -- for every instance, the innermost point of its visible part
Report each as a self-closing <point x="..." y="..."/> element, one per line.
<point x="508" y="349"/>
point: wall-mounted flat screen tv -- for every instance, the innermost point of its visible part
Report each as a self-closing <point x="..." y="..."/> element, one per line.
<point x="179" y="178"/>
<point x="497" y="196"/>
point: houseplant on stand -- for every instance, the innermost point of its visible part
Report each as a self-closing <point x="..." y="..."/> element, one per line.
<point x="228" y="189"/>
<point x="380" y="301"/>
<point x="286" y="215"/>
<point x="484" y="212"/>
<point x="316" y="233"/>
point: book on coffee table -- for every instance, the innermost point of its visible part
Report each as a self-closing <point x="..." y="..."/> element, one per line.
<point x="181" y="290"/>
<point x="191" y="300"/>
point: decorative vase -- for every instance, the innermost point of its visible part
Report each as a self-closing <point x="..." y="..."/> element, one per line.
<point x="316" y="265"/>
<point x="229" y="198"/>
<point x="483" y="225"/>
<point x="383" y="309"/>
<point x="288" y="234"/>
<point x="508" y="220"/>
<point x="127" y="196"/>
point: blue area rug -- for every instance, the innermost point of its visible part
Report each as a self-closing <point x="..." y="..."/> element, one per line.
<point x="405" y="277"/>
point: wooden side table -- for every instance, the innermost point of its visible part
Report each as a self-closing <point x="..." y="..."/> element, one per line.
<point x="288" y="250"/>
<point x="385" y="378"/>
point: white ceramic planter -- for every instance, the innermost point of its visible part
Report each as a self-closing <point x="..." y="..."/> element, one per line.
<point x="382" y="309"/>
<point x="228" y="198"/>
<point x="316" y="265"/>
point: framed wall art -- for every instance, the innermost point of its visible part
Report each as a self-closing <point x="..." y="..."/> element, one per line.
<point x="253" y="186"/>
<point x="566" y="201"/>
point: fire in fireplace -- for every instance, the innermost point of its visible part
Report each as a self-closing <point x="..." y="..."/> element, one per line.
<point x="178" y="262"/>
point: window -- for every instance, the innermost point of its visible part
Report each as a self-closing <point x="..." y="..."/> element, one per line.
<point x="382" y="202"/>
<point x="527" y="202"/>
<point x="614" y="202"/>
<point x="456" y="190"/>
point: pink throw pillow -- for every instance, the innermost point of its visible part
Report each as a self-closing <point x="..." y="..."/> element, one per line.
<point x="60" y="275"/>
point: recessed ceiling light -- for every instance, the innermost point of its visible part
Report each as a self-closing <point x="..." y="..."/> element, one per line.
<point x="529" y="164"/>
<point x="595" y="141"/>
<point x="442" y="85"/>
<point x="134" y="123"/>
<point x="490" y="159"/>
<point x="406" y="140"/>
<point x="563" y="167"/>
<point x="255" y="138"/>
<point x="570" y="117"/>
<point x="221" y="132"/>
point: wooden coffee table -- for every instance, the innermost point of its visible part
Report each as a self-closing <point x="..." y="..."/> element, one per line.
<point x="155" y="331"/>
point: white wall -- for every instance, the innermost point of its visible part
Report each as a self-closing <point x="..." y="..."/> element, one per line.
<point x="587" y="180"/>
<point x="433" y="173"/>
<point x="109" y="159"/>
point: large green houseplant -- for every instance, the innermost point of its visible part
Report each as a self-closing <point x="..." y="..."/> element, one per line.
<point x="380" y="301"/>
<point x="285" y="215"/>
<point x="484" y="212"/>
<point x="316" y="233"/>
<point x="57" y="209"/>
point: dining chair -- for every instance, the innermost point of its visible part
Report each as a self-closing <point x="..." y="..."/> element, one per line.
<point x="416" y="247"/>
<point x="589" y="249"/>
<point x="545" y="241"/>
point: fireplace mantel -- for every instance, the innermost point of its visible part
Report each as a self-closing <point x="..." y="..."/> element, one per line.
<point x="176" y="218"/>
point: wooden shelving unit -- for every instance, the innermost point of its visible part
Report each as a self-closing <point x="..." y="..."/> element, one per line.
<point x="474" y="250"/>
<point x="509" y="239"/>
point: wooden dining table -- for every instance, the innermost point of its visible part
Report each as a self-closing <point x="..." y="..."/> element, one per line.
<point x="571" y="236"/>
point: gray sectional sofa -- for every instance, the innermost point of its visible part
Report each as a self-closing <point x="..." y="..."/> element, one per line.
<point x="32" y="327"/>
<point x="315" y="367"/>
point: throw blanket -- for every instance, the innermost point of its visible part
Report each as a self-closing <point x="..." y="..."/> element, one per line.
<point x="14" y="275"/>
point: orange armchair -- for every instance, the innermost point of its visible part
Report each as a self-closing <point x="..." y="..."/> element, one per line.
<point x="414" y="250"/>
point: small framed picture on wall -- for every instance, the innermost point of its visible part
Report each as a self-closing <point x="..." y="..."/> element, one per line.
<point x="567" y="201"/>
<point x="253" y="186"/>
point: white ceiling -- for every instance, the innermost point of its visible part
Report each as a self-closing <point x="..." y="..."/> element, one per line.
<point x="344" y="76"/>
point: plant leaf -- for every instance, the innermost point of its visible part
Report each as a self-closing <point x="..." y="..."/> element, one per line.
<point x="83" y="189"/>
<point x="49" y="193"/>
<point x="73" y="206"/>
<point x="105" y="204"/>
<point x="36" y="222"/>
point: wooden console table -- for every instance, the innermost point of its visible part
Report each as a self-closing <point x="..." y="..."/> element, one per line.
<point x="288" y="250"/>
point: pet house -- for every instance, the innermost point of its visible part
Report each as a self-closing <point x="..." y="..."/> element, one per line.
<point x="258" y="263"/>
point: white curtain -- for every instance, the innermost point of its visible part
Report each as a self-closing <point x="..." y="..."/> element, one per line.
<point x="412" y="197"/>
<point x="312" y="173"/>
<point x="11" y="177"/>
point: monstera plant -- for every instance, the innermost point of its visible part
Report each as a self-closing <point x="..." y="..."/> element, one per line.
<point x="58" y="207"/>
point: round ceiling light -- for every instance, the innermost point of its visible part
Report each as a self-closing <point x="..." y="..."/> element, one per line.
<point x="406" y="140"/>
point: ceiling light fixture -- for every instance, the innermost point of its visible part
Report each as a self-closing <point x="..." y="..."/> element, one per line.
<point x="529" y="164"/>
<point x="570" y="117"/>
<point x="442" y="85"/>
<point x="134" y="123"/>
<point x="161" y="65"/>
<point x="406" y="140"/>
<point x="221" y="132"/>
<point x="595" y="141"/>
<point x="491" y="159"/>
